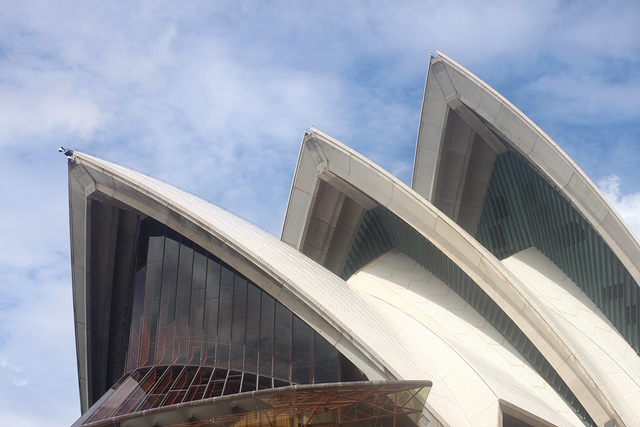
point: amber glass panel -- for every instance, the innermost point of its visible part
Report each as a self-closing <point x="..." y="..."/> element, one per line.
<point x="189" y="308"/>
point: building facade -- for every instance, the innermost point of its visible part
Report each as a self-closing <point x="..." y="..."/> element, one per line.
<point x="501" y="288"/>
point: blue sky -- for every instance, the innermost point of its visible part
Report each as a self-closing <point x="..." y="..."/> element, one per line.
<point x="215" y="96"/>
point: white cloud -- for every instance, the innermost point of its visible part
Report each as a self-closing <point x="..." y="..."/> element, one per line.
<point x="37" y="113"/>
<point x="7" y="365"/>
<point x="627" y="205"/>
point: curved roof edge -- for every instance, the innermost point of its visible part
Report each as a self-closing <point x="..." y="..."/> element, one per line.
<point x="452" y="87"/>
<point x="325" y="159"/>
<point x="320" y="298"/>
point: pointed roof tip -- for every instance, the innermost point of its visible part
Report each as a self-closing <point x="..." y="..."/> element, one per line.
<point x="441" y="56"/>
<point x="67" y="152"/>
<point x="317" y="131"/>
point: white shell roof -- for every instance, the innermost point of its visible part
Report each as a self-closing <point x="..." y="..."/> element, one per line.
<point x="609" y="357"/>
<point x="450" y="85"/>
<point x="471" y="365"/>
<point x="394" y="317"/>
<point x="312" y="284"/>
<point x="324" y="158"/>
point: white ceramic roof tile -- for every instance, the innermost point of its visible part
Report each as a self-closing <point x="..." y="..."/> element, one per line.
<point x="468" y="360"/>
<point x="611" y="359"/>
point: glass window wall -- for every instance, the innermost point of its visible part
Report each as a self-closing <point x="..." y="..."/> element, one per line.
<point x="189" y="308"/>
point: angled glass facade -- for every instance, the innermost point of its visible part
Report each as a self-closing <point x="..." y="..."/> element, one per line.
<point x="200" y="330"/>
<point x="190" y="308"/>
<point x="136" y="396"/>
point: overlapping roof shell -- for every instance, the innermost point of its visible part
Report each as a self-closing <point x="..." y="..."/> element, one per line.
<point x="382" y="322"/>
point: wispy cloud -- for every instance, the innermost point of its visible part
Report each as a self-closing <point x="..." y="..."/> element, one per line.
<point x="628" y="205"/>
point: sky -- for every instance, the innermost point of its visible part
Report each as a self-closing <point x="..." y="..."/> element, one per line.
<point x="214" y="97"/>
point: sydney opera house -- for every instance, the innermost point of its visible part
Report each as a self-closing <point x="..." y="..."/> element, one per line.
<point x="500" y="289"/>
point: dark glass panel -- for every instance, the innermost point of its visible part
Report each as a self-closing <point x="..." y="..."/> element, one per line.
<point x="282" y="350"/>
<point x="156" y="249"/>
<point x="199" y="278"/>
<point x="237" y="357"/>
<point x="165" y="386"/>
<point x="153" y="288"/>
<point x="264" y="382"/>
<point x="251" y="359"/>
<point x="196" y="320"/>
<point x="301" y="351"/>
<point x="233" y="384"/>
<point x="156" y="228"/>
<point x="173" y="397"/>
<point x="222" y="355"/>
<point x="166" y="320"/>
<point x="249" y="382"/>
<point x="216" y="384"/>
<point x="153" y="377"/>
<point x="349" y="371"/>
<point x="225" y="315"/>
<point x="199" y="384"/>
<point x="136" y="318"/>
<point x="183" y="304"/>
<point x="195" y="393"/>
<point x="239" y="311"/>
<point x="325" y="367"/>
<point x="267" y="324"/>
<point x="185" y="263"/>
<point x="185" y="378"/>
<point x="212" y="297"/>
<point x="265" y="363"/>
<point x="253" y="328"/>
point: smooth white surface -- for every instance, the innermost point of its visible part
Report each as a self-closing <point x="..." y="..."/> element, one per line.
<point x="488" y="272"/>
<point x="606" y="353"/>
<point x="471" y="365"/>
